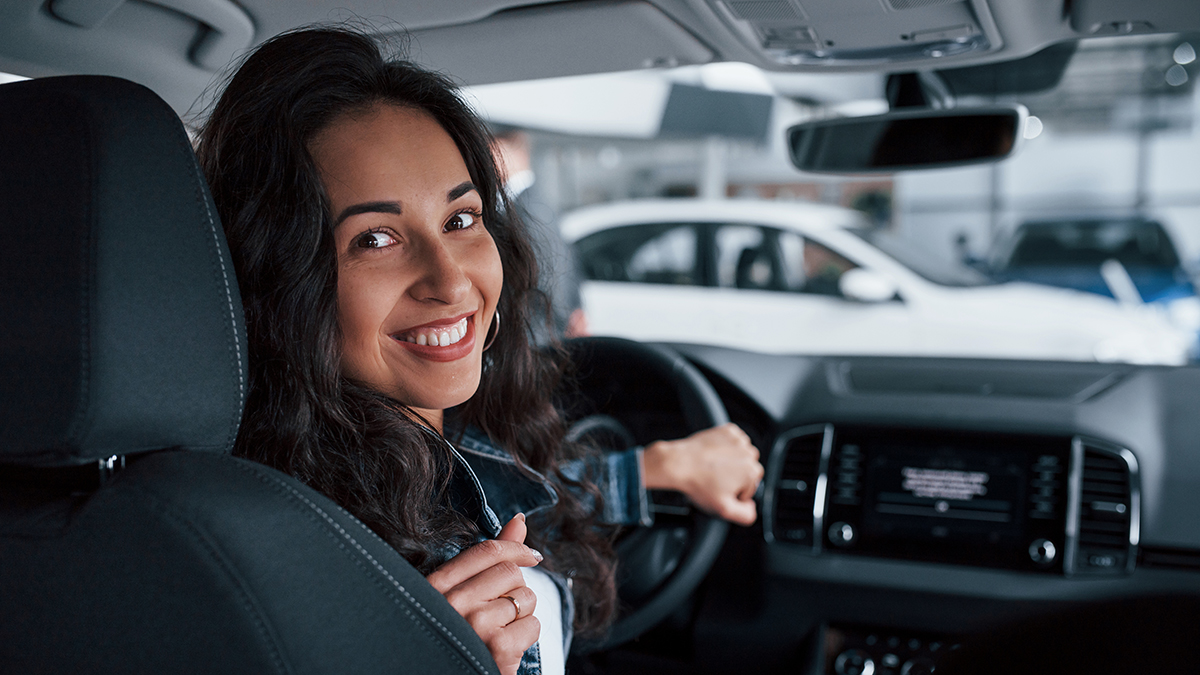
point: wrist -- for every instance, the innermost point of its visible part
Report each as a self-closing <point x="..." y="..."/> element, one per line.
<point x="660" y="470"/>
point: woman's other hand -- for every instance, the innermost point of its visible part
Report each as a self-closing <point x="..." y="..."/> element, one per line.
<point x="476" y="581"/>
<point x="718" y="469"/>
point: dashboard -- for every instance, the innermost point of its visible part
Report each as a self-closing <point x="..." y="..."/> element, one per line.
<point x="910" y="504"/>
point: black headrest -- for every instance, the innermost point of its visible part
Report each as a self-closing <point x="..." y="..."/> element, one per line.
<point x="121" y="325"/>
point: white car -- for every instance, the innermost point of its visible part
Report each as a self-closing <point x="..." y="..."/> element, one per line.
<point x="806" y="278"/>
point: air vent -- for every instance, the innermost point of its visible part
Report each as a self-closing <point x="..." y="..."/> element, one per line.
<point x="792" y="499"/>
<point x="1108" y="511"/>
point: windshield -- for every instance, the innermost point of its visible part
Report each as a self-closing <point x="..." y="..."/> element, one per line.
<point x="938" y="270"/>
<point x="674" y="192"/>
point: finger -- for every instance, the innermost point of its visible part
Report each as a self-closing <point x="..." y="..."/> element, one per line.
<point x="748" y="490"/>
<point x="742" y="512"/>
<point x="515" y="530"/>
<point x="736" y="431"/>
<point x="502" y="579"/>
<point x="506" y="610"/>
<point x="478" y="558"/>
<point x="509" y="644"/>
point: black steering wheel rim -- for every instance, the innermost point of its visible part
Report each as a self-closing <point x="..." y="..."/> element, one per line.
<point x="701" y="408"/>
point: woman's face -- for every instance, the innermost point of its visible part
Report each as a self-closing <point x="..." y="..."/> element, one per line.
<point x="419" y="276"/>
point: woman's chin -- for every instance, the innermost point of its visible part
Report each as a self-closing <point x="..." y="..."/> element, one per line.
<point x="442" y="398"/>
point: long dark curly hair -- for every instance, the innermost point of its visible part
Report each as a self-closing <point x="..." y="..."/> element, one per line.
<point x="355" y="445"/>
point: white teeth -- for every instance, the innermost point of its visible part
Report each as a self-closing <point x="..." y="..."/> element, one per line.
<point x="438" y="337"/>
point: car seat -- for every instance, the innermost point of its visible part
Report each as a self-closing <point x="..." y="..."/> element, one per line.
<point x="130" y="539"/>
<point x="754" y="269"/>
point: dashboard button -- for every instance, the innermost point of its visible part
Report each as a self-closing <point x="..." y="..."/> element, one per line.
<point x="1042" y="551"/>
<point x="917" y="666"/>
<point x="854" y="662"/>
<point x="842" y="534"/>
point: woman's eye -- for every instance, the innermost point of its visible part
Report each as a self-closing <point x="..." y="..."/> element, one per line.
<point x="375" y="240"/>
<point x="461" y="221"/>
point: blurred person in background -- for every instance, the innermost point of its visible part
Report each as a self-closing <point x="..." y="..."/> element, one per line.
<point x="558" y="269"/>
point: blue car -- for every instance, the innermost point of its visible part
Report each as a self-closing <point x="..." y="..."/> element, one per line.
<point x="1073" y="253"/>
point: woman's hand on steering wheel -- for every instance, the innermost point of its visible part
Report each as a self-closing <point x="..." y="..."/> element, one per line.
<point x="484" y="585"/>
<point x="718" y="469"/>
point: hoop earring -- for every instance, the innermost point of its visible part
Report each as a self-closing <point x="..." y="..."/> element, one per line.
<point x="493" y="330"/>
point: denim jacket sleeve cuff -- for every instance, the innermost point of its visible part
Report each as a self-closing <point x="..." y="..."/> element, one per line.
<point x="625" y="501"/>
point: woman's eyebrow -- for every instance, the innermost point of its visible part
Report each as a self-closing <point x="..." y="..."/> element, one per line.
<point x="368" y="207"/>
<point x="460" y="190"/>
<point x="394" y="207"/>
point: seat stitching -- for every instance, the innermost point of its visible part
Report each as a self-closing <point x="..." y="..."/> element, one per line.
<point x="87" y="282"/>
<point x="200" y="193"/>
<point x="296" y="494"/>
<point x="366" y="554"/>
<point x="169" y="510"/>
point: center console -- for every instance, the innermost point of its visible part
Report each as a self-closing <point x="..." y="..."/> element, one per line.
<point x="1042" y="504"/>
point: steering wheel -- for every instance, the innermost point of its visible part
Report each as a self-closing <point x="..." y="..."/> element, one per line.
<point x="628" y="394"/>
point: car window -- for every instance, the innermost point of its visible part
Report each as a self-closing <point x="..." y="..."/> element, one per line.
<point x="649" y="254"/>
<point x="745" y="259"/>
<point x="811" y="267"/>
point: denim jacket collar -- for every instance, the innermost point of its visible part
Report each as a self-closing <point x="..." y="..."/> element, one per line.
<point x="506" y="485"/>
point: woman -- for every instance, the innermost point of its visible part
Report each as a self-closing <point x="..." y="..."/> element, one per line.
<point x="387" y="306"/>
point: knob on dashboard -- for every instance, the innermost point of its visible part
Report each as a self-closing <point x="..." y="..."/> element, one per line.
<point x="1042" y="551"/>
<point x="842" y="534"/>
<point x="854" y="662"/>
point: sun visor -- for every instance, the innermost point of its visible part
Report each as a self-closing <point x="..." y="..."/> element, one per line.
<point x="694" y="112"/>
<point x="564" y="39"/>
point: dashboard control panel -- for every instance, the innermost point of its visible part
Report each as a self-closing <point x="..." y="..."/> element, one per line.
<point x="865" y="650"/>
<point x="1035" y="503"/>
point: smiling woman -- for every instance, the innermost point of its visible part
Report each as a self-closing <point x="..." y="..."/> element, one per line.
<point x="419" y="277"/>
<point x="376" y="256"/>
<point x="362" y="209"/>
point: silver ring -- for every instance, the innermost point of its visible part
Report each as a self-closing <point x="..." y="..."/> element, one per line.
<point x="516" y="606"/>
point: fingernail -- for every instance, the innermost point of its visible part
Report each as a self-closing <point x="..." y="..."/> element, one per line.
<point x="536" y="554"/>
<point x="519" y="516"/>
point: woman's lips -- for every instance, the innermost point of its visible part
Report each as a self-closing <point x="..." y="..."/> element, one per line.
<point x="440" y="340"/>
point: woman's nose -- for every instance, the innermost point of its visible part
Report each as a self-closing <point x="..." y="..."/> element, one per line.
<point x="441" y="277"/>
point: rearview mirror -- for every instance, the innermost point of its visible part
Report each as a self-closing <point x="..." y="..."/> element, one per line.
<point x="897" y="141"/>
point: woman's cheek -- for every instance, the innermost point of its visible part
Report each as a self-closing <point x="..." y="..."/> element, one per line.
<point x="360" y="322"/>
<point x="491" y="271"/>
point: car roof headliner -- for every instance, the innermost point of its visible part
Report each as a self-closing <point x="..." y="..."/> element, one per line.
<point x="479" y="41"/>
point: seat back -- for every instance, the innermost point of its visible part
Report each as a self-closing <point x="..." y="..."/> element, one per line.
<point x="130" y="539"/>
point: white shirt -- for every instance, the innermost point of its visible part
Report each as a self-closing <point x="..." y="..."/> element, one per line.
<point x="549" y="613"/>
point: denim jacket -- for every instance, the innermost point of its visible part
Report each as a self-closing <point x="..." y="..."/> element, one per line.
<point x="492" y="487"/>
